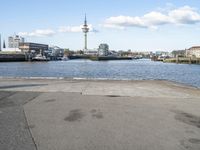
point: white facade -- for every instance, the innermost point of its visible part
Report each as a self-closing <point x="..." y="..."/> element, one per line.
<point x="56" y="51"/>
<point x="103" y="49"/>
<point x="11" y="50"/>
<point x="193" y="52"/>
<point x="13" y="41"/>
<point x="91" y="52"/>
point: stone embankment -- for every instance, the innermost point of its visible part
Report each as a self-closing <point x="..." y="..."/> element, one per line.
<point x="12" y="57"/>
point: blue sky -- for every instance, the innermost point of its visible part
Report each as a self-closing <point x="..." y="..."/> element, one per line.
<point x="142" y="25"/>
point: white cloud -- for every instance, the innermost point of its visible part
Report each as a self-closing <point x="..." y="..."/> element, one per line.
<point x="74" y="29"/>
<point x="64" y="29"/>
<point x="38" y="33"/>
<point x="155" y="18"/>
<point x="50" y="32"/>
<point x="179" y="16"/>
<point x="113" y="26"/>
<point x="185" y="15"/>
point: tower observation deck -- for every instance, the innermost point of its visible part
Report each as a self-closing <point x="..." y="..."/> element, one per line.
<point x="85" y="31"/>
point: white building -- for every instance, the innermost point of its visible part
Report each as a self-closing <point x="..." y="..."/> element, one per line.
<point x="11" y="50"/>
<point x="103" y="49"/>
<point x="193" y="52"/>
<point x="56" y="51"/>
<point x="13" y="41"/>
<point x="91" y="52"/>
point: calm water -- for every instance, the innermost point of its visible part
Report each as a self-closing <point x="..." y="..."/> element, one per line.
<point x="131" y="69"/>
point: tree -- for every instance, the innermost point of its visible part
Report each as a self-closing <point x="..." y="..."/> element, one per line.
<point x="66" y="52"/>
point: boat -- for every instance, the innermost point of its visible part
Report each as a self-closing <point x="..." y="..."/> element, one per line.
<point x="65" y="58"/>
<point x="40" y="57"/>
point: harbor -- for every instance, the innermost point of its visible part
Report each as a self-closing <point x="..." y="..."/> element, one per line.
<point x="100" y="75"/>
<point x="23" y="57"/>
<point x="19" y="50"/>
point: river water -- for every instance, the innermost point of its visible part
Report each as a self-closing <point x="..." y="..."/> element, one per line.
<point x="143" y="69"/>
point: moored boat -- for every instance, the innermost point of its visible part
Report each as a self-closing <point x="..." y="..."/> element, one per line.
<point x="39" y="57"/>
<point x="65" y="58"/>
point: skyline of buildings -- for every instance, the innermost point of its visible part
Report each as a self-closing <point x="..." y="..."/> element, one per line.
<point x="15" y="40"/>
<point x="17" y="43"/>
<point x="163" y="25"/>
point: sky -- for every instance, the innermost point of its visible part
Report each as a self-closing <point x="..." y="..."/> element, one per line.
<point x="139" y="25"/>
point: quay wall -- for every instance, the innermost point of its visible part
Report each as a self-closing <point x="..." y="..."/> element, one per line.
<point x="99" y="58"/>
<point x="183" y="60"/>
<point x="12" y="57"/>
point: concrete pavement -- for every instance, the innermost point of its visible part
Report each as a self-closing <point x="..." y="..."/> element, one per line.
<point x="104" y="115"/>
<point x="145" y="88"/>
<point x="14" y="129"/>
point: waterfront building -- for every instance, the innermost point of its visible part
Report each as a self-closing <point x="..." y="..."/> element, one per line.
<point x="85" y="31"/>
<point x="33" y="47"/>
<point x="103" y="49"/>
<point x="13" y="41"/>
<point x="113" y="53"/>
<point x="55" y="52"/>
<point x="178" y="53"/>
<point x="162" y="54"/>
<point x="91" y="52"/>
<point x="193" y="52"/>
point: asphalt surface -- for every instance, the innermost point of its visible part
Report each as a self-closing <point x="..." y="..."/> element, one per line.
<point x="49" y="114"/>
<point x="14" y="130"/>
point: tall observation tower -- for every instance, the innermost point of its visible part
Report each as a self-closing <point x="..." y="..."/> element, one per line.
<point x="85" y="31"/>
